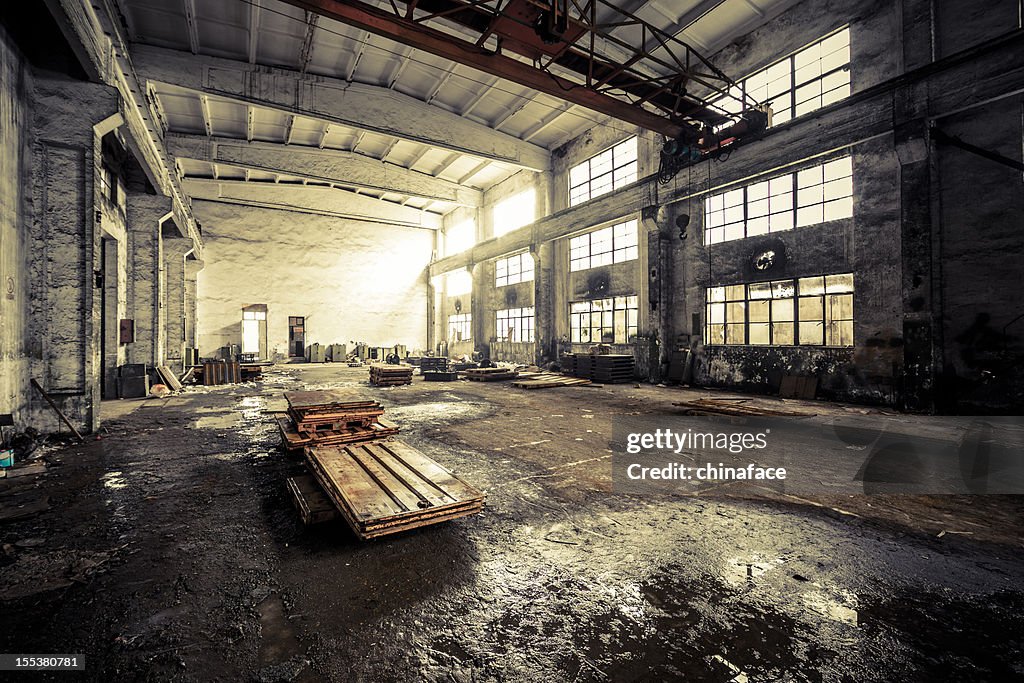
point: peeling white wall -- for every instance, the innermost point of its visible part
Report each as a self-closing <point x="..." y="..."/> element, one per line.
<point x="352" y="280"/>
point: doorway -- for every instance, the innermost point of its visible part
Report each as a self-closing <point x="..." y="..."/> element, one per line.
<point x="296" y="336"/>
<point x="254" y="331"/>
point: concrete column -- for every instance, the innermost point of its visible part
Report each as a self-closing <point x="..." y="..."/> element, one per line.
<point x="175" y="251"/>
<point x="921" y="328"/>
<point x="146" y="213"/>
<point x="192" y="268"/>
<point x="544" y="302"/>
<point x="65" y="295"/>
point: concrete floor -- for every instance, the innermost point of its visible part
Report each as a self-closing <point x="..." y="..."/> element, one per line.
<point x="171" y="551"/>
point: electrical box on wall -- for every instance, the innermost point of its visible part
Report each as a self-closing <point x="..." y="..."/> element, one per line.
<point x="127" y="333"/>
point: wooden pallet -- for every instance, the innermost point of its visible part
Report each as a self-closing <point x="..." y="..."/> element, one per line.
<point x="547" y="380"/>
<point x="327" y="410"/>
<point x="385" y="487"/>
<point x="310" y="500"/>
<point x="490" y="374"/>
<point x="293" y="440"/>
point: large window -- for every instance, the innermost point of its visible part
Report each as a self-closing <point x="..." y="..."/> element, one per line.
<point x="809" y="311"/>
<point x="810" y="79"/>
<point x="814" y="195"/>
<point x="460" y="327"/>
<point x="509" y="271"/>
<point x="613" y="244"/>
<point x="609" y="321"/>
<point x="515" y="212"/>
<point x="460" y="237"/>
<point x="515" y="324"/>
<point x="600" y="174"/>
<point x="458" y="282"/>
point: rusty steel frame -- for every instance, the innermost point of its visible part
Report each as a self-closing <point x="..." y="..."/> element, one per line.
<point x="645" y="88"/>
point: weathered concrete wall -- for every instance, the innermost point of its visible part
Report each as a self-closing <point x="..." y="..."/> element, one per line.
<point x="13" y="281"/>
<point x="65" y="306"/>
<point x="981" y="250"/>
<point x="352" y="281"/>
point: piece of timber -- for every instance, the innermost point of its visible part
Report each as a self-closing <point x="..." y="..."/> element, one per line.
<point x="384" y="487"/>
<point x="547" y="381"/>
<point x="712" y="406"/>
<point x="312" y="503"/>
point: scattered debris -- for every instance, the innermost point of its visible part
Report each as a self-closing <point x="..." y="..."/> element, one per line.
<point x="53" y="405"/>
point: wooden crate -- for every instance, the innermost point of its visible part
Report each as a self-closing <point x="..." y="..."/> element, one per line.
<point x="384" y="487"/>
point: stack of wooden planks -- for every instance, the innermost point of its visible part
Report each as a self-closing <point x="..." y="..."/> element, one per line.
<point x="568" y="363"/>
<point x="611" y="368"/>
<point x="384" y="487"/>
<point x="547" y="380"/>
<point x="490" y="374"/>
<point x="384" y="375"/>
<point x="331" y="417"/>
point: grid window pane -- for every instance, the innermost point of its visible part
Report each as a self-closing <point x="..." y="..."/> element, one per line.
<point x="612" y="321"/>
<point x="615" y="244"/>
<point x="811" y="196"/>
<point x="516" y="324"/>
<point x="513" y="269"/>
<point x="814" y="77"/>
<point x="812" y="311"/>
<point x="460" y="327"/>
<point x="603" y="173"/>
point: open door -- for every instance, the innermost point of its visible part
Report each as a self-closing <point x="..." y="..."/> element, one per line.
<point x="296" y="336"/>
<point x="254" y="331"/>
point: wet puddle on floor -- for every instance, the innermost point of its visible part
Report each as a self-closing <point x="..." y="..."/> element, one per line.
<point x="217" y="421"/>
<point x="437" y="412"/>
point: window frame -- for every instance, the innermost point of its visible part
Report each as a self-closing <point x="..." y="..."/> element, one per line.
<point x="507" y="202"/>
<point x="834" y="293"/>
<point x="606" y="310"/>
<point x="613" y="173"/>
<point x="517" y="320"/>
<point x="617" y="251"/>
<point x="740" y="92"/>
<point x="718" y="231"/>
<point x="503" y="275"/>
<point x="459" y="322"/>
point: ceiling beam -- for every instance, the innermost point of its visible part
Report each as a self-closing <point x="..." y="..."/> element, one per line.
<point x="323" y="201"/>
<point x="417" y="35"/>
<point x="329" y="166"/>
<point x="329" y="100"/>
